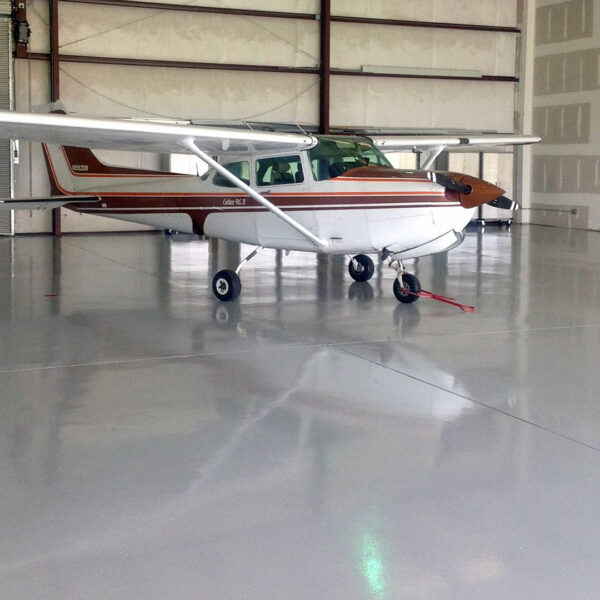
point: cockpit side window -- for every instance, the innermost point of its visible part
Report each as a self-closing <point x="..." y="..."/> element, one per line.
<point x="334" y="156"/>
<point x="240" y="169"/>
<point x="279" y="170"/>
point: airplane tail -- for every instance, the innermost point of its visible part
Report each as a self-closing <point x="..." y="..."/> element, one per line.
<point x="64" y="165"/>
<point x="74" y="170"/>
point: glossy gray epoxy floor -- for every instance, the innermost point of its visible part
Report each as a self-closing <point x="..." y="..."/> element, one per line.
<point x="315" y="439"/>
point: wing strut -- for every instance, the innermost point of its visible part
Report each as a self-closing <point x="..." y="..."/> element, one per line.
<point x="191" y="146"/>
<point x="432" y="155"/>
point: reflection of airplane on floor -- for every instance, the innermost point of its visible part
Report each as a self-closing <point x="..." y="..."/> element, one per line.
<point x="334" y="194"/>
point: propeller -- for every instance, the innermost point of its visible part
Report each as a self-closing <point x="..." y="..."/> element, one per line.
<point x="449" y="183"/>
<point x="468" y="190"/>
<point x="504" y="202"/>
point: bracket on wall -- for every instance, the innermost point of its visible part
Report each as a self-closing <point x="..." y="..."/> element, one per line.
<point x="21" y="29"/>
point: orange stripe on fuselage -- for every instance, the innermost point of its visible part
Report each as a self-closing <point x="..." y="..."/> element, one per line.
<point x="380" y="179"/>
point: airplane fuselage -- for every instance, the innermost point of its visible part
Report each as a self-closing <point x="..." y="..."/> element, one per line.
<point x="362" y="209"/>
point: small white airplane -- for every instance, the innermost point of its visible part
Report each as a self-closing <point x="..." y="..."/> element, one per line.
<point x="333" y="194"/>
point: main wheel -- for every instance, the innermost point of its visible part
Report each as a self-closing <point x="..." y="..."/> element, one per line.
<point x="407" y="294"/>
<point x="226" y="285"/>
<point x="361" y="268"/>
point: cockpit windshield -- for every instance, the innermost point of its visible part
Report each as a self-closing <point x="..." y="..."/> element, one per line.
<point x="333" y="156"/>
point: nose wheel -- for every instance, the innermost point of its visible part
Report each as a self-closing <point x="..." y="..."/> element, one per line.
<point x="407" y="291"/>
<point x="361" y="267"/>
<point x="406" y="286"/>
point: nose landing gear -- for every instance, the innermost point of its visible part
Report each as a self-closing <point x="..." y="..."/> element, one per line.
<point x="406" y="286"/>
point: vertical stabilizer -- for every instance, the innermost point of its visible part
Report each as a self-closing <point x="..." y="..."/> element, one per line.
<point x="61" y="181"/>
<point x="72" y="169"/>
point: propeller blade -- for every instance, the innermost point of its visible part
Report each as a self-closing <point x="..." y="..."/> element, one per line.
<point x="504" y="202"/>
<point x="450" y="184"/>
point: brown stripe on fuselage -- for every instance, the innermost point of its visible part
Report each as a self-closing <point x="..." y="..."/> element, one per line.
<point x="368" y="173"/>
<point x="203" y="206"/>
<point x="82" y="162"/>
<point x="301" y="201"/>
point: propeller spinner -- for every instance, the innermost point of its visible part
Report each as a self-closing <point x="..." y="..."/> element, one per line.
<point x="470" y="191"/>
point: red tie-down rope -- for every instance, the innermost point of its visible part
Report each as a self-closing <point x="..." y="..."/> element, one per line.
<point x="445" y="299"/>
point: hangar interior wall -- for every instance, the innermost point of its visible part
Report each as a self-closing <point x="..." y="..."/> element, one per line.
<point x="566" y="113"/>
<point x="6" y="218"/>
<point x="125" y="90"/>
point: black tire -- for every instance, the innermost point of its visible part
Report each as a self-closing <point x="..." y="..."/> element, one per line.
<point x="412" y="284"/>
<point x="226" y="285"/>
<point x="364" y="270"/>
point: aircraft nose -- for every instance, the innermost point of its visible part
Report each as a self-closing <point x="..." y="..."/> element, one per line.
<point x="481" y="192"/>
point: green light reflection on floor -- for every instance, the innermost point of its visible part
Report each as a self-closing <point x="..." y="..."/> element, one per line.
<point x="372" y="566"/>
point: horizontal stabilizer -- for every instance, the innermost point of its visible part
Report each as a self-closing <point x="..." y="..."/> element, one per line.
<point x="43" y="202"/>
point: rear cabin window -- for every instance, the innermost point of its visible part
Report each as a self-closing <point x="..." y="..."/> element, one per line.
<point x="240" y="169"/>
<point x="334" y="156"/>
<point x="279" y="170"/>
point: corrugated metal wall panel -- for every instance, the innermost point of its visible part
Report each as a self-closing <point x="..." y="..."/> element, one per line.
<point x="5" y="90"/>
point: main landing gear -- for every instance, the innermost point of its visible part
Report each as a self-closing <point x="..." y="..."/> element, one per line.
<point x="226" y="284"/>
<point x="361" y="267"/>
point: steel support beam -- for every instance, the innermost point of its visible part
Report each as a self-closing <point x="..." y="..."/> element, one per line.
<point x="54" y="52"/>
<point x="325" y="69"/>
<point x="298" y="15"/>
<point x="140" y="62"/>
<point x="351" y="73"/>
<point x="424" y="24"/>
<point x="177" y="64"/>
<point x="202" y="9"/>
<point x="54" y="89"/>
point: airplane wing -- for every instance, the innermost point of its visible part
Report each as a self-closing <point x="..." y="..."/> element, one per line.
<point x="204" y="142"/>
<point x="115" y="134"/>
<point x="426" y="143"/>
<point x="432" y="146"/>
<point x="42" y="202"/>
